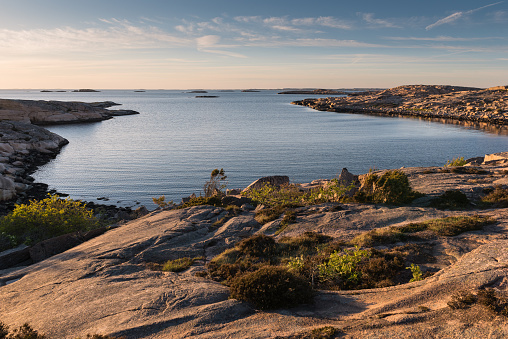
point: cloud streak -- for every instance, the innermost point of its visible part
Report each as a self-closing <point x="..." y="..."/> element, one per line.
<point x="457" y="15"/>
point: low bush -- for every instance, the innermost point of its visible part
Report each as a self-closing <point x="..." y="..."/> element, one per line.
<point x="391" y="188"/>
<point x="451" y="200"/>
<point x="455" y="162"/>
<point x="216" y="185"/>
<point x="199" y="201"/>
<point x="498" y="197"/>
<point x="452" y="226"/>
<point x="47" y="218"/>
<point x="271" y="287"/>
<point x="488" y="298"/>
<point x="23" y="332"/>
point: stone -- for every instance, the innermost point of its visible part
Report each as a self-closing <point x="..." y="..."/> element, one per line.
<point x="14" y="257"/>
<point x="276" y="180"/>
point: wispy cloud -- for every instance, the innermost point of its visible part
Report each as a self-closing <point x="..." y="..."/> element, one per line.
<point x="369" y="18"/>
<point x="442" y="38"/>
<point x="457" y="15"/>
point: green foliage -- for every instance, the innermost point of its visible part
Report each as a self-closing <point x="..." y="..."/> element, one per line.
<point x="216" y="185"/>
<point x="47" y="218"/>
<point x="452" y="226"/>
<point x="498" y="197"/>
<point x="343" y="266"/>
<point x="271" y="287"/>
<point x="200" y="201"/>
<point x="178" y="265"/>
<point x="449" y="226"/>
<point x="390" y="188"/>
<point x="162" y="203"/>
<point x="291" y="195"/>
<point x="452" y="200"/>
<point x="269" y="214"/>
<point x="455" y="162"/>
<point x="416" y="271"/>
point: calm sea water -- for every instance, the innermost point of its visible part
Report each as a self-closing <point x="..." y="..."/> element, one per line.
<point x="177" y="140"/>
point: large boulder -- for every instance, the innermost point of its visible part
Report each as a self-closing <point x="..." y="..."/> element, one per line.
<point x="276" y="180"/>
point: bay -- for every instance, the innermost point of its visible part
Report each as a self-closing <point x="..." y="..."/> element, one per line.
<point x="178" y="139"/>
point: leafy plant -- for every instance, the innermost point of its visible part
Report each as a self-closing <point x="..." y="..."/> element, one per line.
<point x="216" y="185"/>
<point x="43" y="219"/>
<point x="343" y="266"/>
<point x="162" y="203"/>
<point x="416" y="271"/>
<point x="271" y="287"/>
<point x="455" y="162"/>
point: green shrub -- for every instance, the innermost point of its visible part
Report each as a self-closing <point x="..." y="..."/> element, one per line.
<point x="271" y="287"/>
<point x="343" y="266"/>
<point x="390" y="188"/>
<point x="162" y="203"/>
<point x="416" y="271"/>
<point x="451" y="199"/>
<point x="327" y="332"/>
<point x="455" y="162"/>
<point x="47" y="218"/>
<point x="258" y="246"/>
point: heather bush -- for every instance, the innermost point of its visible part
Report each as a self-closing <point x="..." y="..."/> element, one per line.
<point x="271" y="287"/>
<point x="452" y="200"/>
<point x="391" y="188"/>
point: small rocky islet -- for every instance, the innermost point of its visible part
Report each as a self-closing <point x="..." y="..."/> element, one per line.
<point x="106" y="284"/>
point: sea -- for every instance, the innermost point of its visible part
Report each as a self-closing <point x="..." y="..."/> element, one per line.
<point x="172" y="146"/>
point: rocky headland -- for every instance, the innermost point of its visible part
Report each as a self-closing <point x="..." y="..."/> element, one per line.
<point x="107" y="285"/>
<point x="425" y="101"/>
<point x="24" y="144"/>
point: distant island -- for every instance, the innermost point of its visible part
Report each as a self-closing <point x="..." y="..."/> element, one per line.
<point x="85" y="90"/>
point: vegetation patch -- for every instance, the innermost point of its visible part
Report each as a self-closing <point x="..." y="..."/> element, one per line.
<point x="449" y="226"/>
<point x="176" y="265"/>
<point x="391" y="188"/>
<point x="497" y="197"/>
<point x="46" y="218"/>
<point x="451" y="200"/>
<point x="495" y="302"/>
<point x="271" y="287"/>
<point x="315" y="258"/>
<point x="456" y="162"/>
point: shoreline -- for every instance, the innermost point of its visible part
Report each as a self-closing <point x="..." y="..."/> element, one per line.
<point x="25" y="145"/>
<point x="423" y="101"/>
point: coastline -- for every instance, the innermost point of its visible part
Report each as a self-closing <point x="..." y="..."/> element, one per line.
<point x="25" y="145"/>
<point x="423" y="101"/>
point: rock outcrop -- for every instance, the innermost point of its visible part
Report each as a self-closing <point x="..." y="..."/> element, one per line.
<point x="106" y="285"/>
<point x="442" y="102"/>
<point x="23" y="147"/>
<point x="57" y="112"/>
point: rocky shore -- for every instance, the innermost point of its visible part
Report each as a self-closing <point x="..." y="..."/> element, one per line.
<point x="24" y="145"/>
<point x="424" y="101"/>
<point x="107" y="285"/>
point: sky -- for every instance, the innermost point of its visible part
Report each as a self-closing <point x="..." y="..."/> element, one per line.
<point x="223" y="44"/>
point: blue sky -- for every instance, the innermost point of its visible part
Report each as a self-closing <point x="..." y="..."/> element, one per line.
<point x="223" y="44"/>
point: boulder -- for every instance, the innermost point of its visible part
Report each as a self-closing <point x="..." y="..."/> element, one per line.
<point x="276" y="180"/>
<point x="14" y="257"/>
